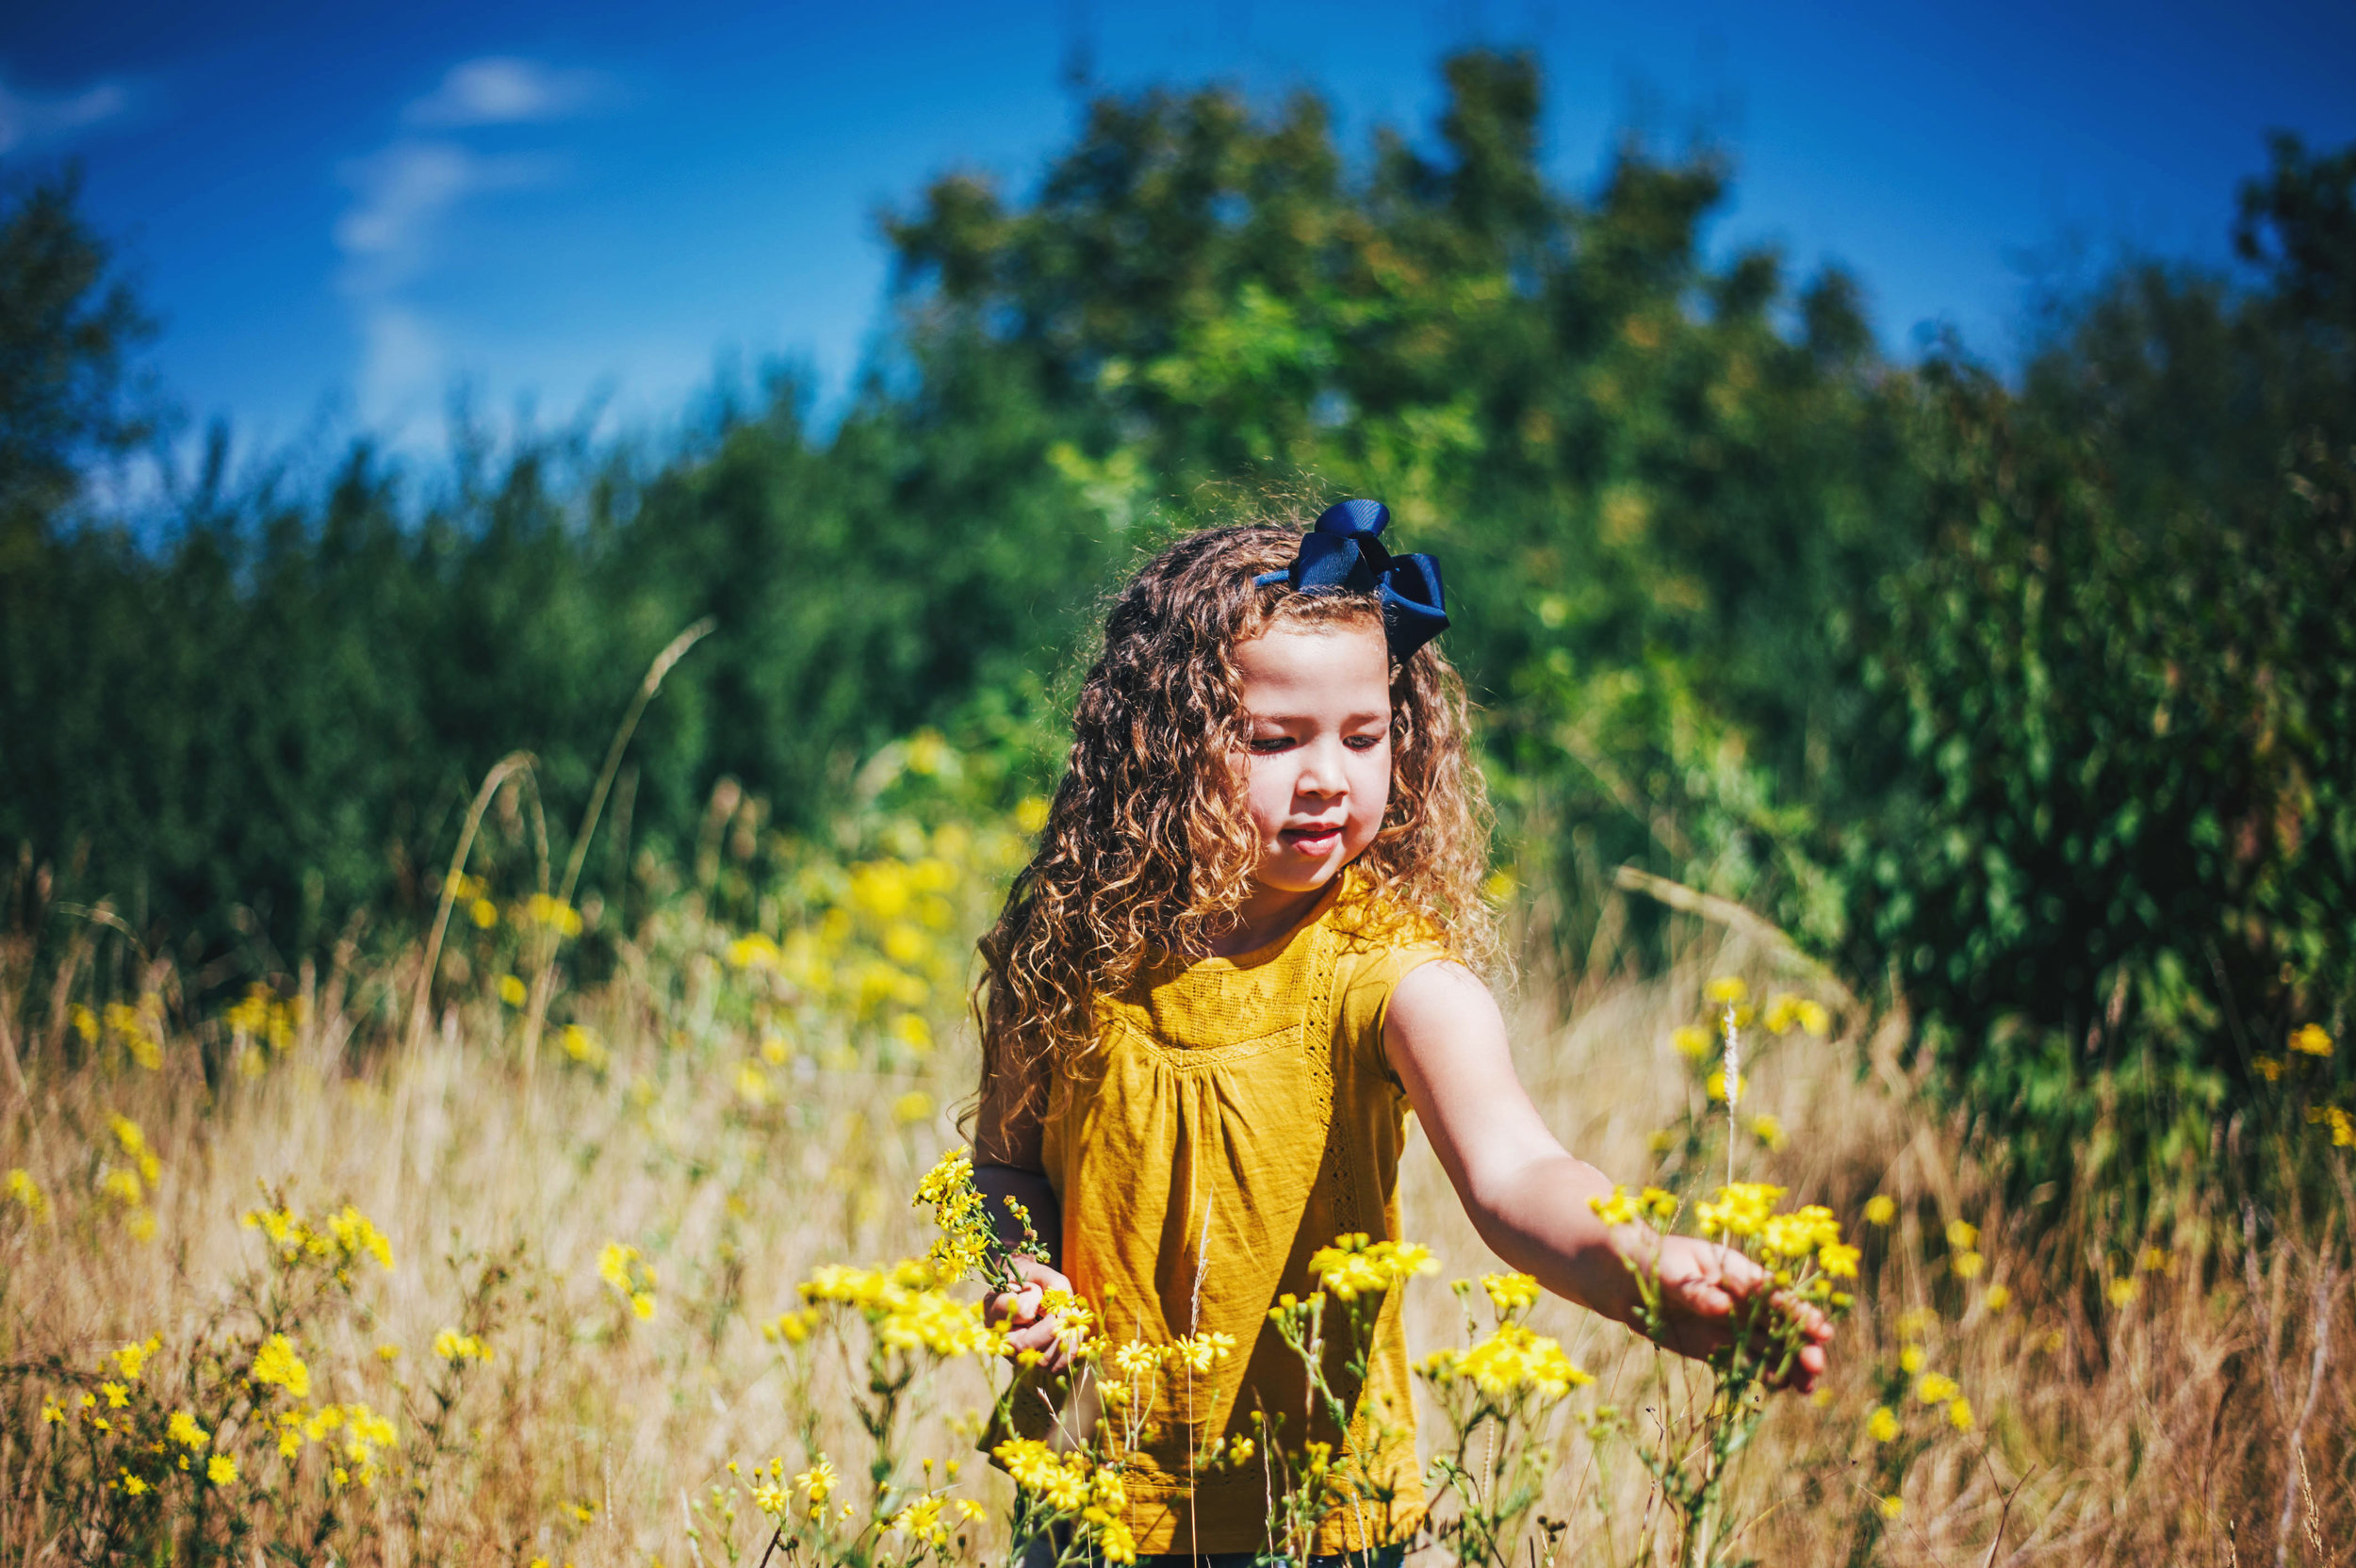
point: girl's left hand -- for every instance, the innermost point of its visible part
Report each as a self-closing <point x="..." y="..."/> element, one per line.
<point x="1704" y="1290"/>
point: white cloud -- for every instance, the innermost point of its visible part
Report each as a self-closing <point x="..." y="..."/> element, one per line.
<point x="404" y="191"/>
<point x="31" y="120"/>
<point x="405" y="368"/>
<point x="506" y="89"/>
<point x="402" y="196"/>
<point x="407" y="193"/>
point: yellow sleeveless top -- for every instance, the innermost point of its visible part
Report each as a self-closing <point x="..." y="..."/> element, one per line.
<point x="1236" y="1115"/>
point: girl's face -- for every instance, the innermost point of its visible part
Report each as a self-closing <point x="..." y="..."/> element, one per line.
<point x="1316" y="765"/>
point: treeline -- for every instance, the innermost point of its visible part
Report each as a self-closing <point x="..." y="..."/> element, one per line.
<point x="2025" y="701"/>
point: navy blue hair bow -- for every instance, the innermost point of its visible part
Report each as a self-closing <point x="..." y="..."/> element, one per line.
<point x="1343" y="552"/>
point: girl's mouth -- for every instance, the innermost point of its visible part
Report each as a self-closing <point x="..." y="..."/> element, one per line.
<point x="1312" y="840"/>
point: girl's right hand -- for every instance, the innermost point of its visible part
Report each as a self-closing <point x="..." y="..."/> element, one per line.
<point x="1027" y="1326"/>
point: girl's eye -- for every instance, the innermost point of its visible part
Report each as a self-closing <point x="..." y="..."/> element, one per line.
<point x="1363" y="743"/>
<point x="1263" y="744"/>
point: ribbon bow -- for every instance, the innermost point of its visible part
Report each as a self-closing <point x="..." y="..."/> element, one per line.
<point x="1343" y="552"/>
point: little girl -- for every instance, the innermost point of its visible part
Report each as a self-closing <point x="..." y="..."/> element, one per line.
<point x="1231" y="970"/>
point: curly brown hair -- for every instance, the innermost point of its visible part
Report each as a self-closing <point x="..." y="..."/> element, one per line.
<point x="1147" y="843"/>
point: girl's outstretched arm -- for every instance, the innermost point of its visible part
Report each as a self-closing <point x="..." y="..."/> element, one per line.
<point x="1527" y="1196"/>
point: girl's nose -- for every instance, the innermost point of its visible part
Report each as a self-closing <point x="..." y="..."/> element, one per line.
<point x="1321" y="772"/>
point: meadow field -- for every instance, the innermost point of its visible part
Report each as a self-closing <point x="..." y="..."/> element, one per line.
<point x="1969" y="742"/>
<point x="333" y="1276"/>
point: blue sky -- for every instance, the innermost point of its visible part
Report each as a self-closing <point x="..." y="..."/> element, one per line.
<point x="341" y="212"/>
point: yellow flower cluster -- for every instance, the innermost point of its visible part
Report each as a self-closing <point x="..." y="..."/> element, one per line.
<point x="1511" y="1361"/>
<point x="21" y="1190"/>
<point x="1072" y="1487"/>
<point x="276" y="1365"/>
<point x="1740" y="1210"/>
<point x="966" y="1239"/>
<point x="906" y="1308"/>
<point x="1784" y="1010"/>
<point x="453" y="1347"/>
<point x="2309" y="1039"/>
<point x="1622" y="1208"/>
<point x="791" y="1327"/>
<point x="263" y="1018"/>
<point x="930" y="1518"/>
<point x="1199" y="1352"/>
<point x="629" y="1275"/>
<point x="340" y="1239"/>
<point x="1355" y="1265"/>
<point x="582" y="1047"/>
<point x="364" y="1432"/>
<point x="128" y="1187"/>
<point x="139" y="1028"/>
<point x="1510" y="1292"/>
<point x="2340" y="1126"/>
<point x="553" y="914"/>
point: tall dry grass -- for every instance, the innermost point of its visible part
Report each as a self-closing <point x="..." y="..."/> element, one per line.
<point x="2180" y="1399"/>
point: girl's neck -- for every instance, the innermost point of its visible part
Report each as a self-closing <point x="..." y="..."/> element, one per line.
<point x="1267" y="914"/>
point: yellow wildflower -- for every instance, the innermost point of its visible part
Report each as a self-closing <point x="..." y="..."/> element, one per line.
<point x="1726" y="988"/>
<point x="276" y="1365"/>
<point x="352" y="1234"/>
<point x="1999" y="1297"/>
<point x="1740" y="1210"/>
<point x="1512" y="1360"/>
<point x="1910" y="1358"/>
<point x="451" y="1346"/>
<point x="1716" y="1083"/>
<point x="1768" y="1131"/>
<point x="221" y="1470"/>
<point x="1510" y="1292"/>
<point x="2121" y="1291"/>
<point x="921" y="1521"/>
<point x="2269" y="1068"/>
<point x="1935" y="1388"/>
<point x="1892" y="1506"/>
<point x="631" y="1276"/>
<point x="582" y="1045"/>
<point x="1352" y="1265"/>
<point x="131" y="1358"/>
<point x="2309" y="1039"/>
<point x="552" y="913"/>
<point x="1692" y="1041"/>
<point x="25" y="1191"/>
<point x="753" y="951"/>
<point x="511" y="989"/>
<point x="915" y="1105"/>
<point x="1882" y="1424"/>
<point x="1960" y="1413"/>
<point x="1197" y="1351"/>
<point x="1962" y="1235"/>
<point x="817" y="1482"/>
<point x="1618" y="1209"/>
<point x="1837" y="1260"/>
<point x="1966" y="1265"/>
<point x="182" y="1429"/>
<point x="1880" y="1209"/>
